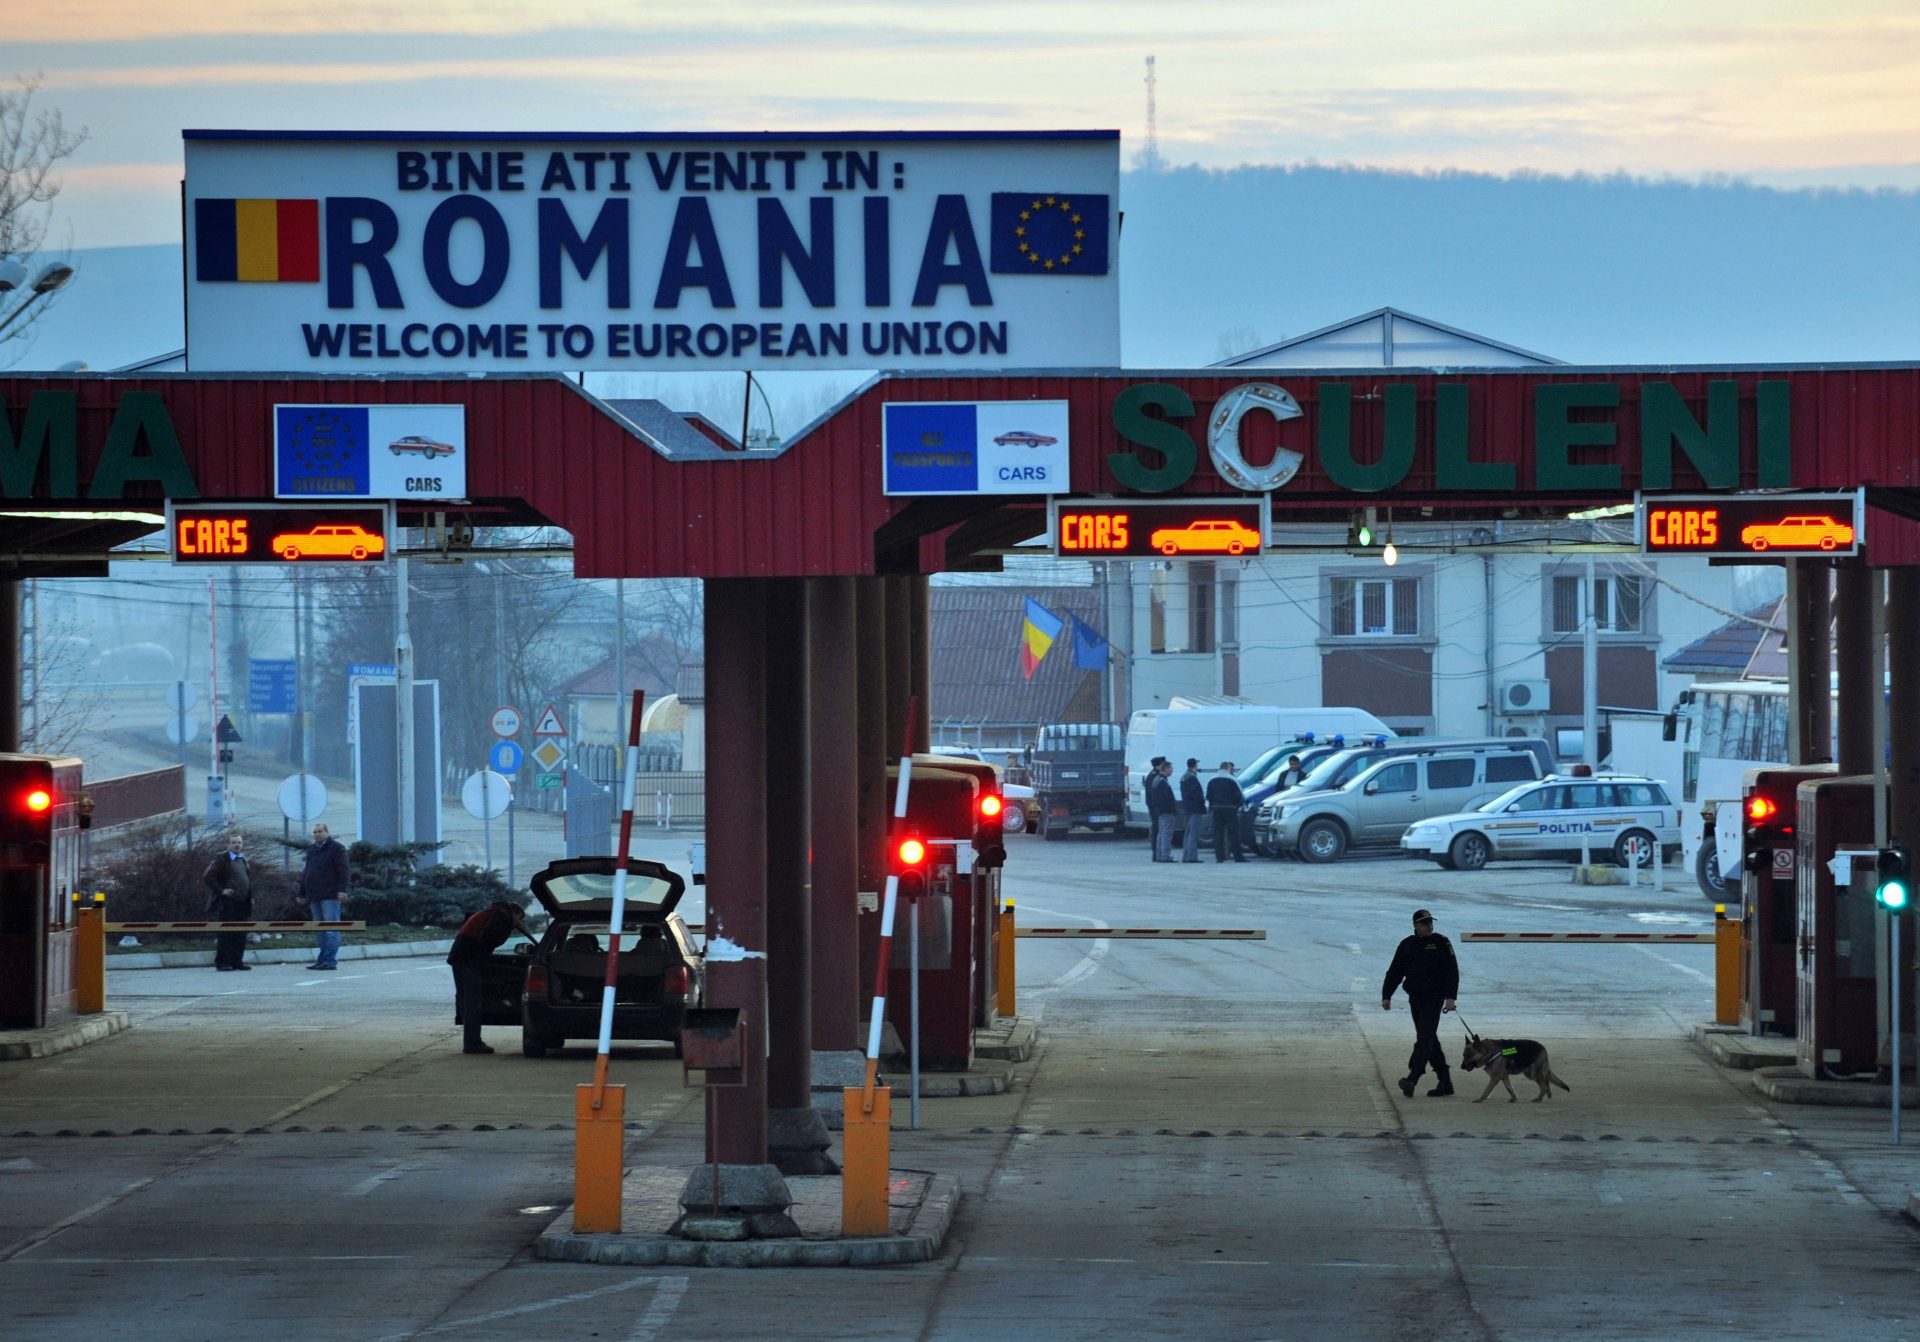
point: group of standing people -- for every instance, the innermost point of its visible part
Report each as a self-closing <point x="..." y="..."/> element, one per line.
<point x="323" y="888"/>
<point x="1219" y="797"/>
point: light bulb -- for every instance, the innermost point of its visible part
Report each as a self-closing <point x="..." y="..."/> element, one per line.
<point x="1390" y="555"/>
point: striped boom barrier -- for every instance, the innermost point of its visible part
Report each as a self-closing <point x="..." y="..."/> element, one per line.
<point x="1635" y="938"/>
<point x="249" y="925"/>
<point x="1150" y="933"/>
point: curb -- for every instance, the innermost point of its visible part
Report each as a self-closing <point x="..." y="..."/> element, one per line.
<point x="18" y="1045"/>
<point x="1787" y="1086"/>
<point x="1913" y="1206"/>
<point x="920" y="1244"/>
<point x="1015" y="1044"/>
<point x="1743" y="1053"/>
<point x="373" y="950"/>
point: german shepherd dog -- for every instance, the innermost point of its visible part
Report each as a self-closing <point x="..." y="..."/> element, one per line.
<point x="1506" y="1058"/>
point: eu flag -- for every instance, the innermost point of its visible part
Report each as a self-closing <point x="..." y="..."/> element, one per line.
<point x="1089" y="648"/>
<point x="1048" y="233"/>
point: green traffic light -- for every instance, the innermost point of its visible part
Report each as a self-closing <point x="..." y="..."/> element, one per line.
<point x="1894" y="868"/>
<point x="1365" y="536"/>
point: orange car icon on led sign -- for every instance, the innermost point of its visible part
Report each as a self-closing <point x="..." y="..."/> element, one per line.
<point x="1207" y="536"/>
<point x="1797" y="533"/>
<point x="330" y="542"/>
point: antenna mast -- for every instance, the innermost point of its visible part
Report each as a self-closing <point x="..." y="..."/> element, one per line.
<point x="1151" y="159"/>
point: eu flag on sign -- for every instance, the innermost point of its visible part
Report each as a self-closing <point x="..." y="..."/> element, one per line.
<point x="1049" y="233"/>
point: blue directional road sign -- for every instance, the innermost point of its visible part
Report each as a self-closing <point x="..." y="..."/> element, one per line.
<point x="270" y="686"/>
<point x="505" y="757"/>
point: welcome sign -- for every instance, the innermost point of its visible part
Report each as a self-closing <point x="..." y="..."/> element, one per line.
<point x="390" y="252"/>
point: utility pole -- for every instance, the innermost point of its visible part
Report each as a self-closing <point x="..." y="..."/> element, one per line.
<point x="1150" y="160"/>
<point x="403" y="699"/>
<point x="620" y="658"/>
<point x="1590" y="673"/>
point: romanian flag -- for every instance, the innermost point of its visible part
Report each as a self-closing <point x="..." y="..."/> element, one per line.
<point x="257" y="240"/>
<point x="1043" y="626"/>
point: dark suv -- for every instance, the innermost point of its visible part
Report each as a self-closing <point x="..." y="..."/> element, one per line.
<point x="552" y="989"/>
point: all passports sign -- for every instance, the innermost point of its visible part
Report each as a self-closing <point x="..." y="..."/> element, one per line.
<point x="357" y="252"/>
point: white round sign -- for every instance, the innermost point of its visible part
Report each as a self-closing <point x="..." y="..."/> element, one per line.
<point x="485" y="794"/>
<point x="506" y="721"/>
<point x="175" y="722"/>
<point x="303" y="798"/>
<point x="179" y="690"/>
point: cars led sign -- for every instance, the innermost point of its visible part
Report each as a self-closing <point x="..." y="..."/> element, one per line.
<point x="260" y="533"/>
<point x="1752" y="525"/>
<point x="1156" y="529"/>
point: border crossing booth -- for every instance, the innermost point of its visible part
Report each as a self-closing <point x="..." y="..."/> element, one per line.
<point x="940" y="807"/>
<point x="982" y="883"/>
<point x="1837" y="932"/>
<point x="1771" y="856"/>
<point x="40" y="824"/>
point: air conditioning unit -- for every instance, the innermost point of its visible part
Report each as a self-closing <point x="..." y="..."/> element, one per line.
<point x="1525" y="696"/>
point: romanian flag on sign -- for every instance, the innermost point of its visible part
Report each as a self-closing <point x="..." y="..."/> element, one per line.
<point x="257" y="240"/>
<point x="1043" y="626"/>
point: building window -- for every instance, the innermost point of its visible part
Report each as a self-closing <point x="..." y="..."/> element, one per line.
<point x="1182" y="611"/>
<point x="1619" y="604"/>
<point x="1202" y="606"/>
<point x="1375" y="607"/>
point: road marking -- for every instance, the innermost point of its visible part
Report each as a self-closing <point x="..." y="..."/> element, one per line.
<point x="1652" y="955"/>
<point x="1089" y="962"/>
<point x="244" y="1258"/>
<point x="666" y="1299"/>
<point x="366" y="1186"/>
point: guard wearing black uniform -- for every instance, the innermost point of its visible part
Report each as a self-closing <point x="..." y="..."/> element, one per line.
<point x="1425" y="963"/>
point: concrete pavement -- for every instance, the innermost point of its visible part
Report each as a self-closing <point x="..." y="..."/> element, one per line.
<point x="1206" y="1143"/>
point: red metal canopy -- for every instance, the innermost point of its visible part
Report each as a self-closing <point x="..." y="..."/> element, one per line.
<point x="542" y="450"/>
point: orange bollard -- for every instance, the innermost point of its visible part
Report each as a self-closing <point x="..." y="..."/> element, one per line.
<point x="1003" y="970"/>
<point x="865" y="1160"/>
<point x="1726" y="967"/>
<point x="599" y="1153"/>
<point x="90" y="960"/>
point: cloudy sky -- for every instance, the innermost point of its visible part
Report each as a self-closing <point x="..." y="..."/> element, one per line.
<point x="1778" y="92"/>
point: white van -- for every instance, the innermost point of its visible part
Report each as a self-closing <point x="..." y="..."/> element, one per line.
<point x="1236" y="732"/>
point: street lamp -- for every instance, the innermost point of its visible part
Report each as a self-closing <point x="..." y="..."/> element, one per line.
<point x="13" y="274"/>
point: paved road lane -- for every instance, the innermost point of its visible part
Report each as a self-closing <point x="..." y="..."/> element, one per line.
<point x="1209" y="1145"/>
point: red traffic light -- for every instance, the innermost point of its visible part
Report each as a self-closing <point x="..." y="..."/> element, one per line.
<point x="1761" y="809"/>
<point x="911" y="852"/>
<point x="991" y="805"/>
<point x="39" y="799"/>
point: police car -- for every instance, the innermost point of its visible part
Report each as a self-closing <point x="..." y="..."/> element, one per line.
<point x="1620" y="816"/>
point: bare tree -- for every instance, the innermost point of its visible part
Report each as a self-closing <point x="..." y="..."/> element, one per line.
<point x="1236" y="341"/>
<point x="32" y="146"/>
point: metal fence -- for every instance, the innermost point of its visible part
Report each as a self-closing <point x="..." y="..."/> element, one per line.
<point x="663" y="798"/>
<point x="671" y="800"/>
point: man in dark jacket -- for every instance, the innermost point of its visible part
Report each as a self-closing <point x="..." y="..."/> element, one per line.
<point x="1425" y="963"/>
<point x="478" y="938"/>
<point x="230" y="898"/>
<point x="1193" y="805"/>
<point x="323" y="885"/>
<point x="1160" y="809"/>
<point x="1224" y="800"/>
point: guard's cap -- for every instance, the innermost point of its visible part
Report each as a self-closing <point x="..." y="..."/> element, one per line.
<point x="1422" y="916"/>
<point x="1192" y="763"/>
<point x="1157" y="761"/>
